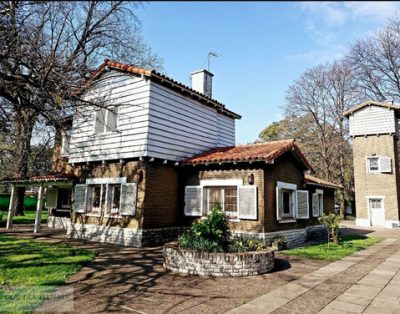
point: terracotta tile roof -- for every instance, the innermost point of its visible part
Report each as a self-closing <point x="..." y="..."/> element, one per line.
<point x="311" y="180"/>
<point x="163" y="80"/>
<point x="388" y="105"/>
<point x="266" y="152"/>
<point x="54" y="177"/>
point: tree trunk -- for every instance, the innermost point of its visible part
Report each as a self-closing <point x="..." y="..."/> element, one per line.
<point x="24" y="123"/>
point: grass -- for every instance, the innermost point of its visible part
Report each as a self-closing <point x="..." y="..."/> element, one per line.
<point x="30" y="270"/>
<point x="29" y="202"/>
<point x="28" y="218"/>
<point x="332" y="252"/>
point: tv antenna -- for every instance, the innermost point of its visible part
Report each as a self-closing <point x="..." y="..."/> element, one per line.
<point x="211" y="54"/>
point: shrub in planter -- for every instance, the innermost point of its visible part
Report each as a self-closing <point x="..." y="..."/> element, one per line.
<point x="246" y="244"/>
<point x="211" y="234"/>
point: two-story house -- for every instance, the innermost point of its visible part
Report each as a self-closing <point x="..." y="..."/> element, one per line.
<point x="374" y="128"/>
<point x="145" y="155"/>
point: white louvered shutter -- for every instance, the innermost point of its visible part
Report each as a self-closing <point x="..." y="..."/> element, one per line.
<point x="279" y="204"/>
<point x="193" y="201"/>
<point x="247" y="202"/>
<point x="51" y="198"/>
<point x="385" y="164"/>
<point x="112" y="116"/>
<point x="315" y="205"/>
<point x="302" y="211"/>
<point x="80" y="198"/>
<point x="100" y="120"/>
<point x="128" y="199"/>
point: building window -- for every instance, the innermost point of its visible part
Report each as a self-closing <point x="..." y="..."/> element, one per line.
<point x="318" y="202"/>
<point x="97" y="195"/>
<point x="115" y="197"/>
<point x="106" y="120"/>
<point x="286" y="201"/>
<point x="373" y="164"/>
<point x="226" y="196"/>
<point x="64" y="198"/>
<point x="375" y="203"/>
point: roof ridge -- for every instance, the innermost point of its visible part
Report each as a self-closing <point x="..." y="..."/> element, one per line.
<point x="291" y="140"/>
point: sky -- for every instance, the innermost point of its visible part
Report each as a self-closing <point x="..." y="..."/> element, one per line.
<point x="263" y="47"/>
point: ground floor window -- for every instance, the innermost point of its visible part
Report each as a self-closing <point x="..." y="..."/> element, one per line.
<point x="64" y="198"/>
<point x="225" y="196"/>
<point x="237" y="201"/>
<point x="318" y="202"/>
<point x="291" y="203"/>
<point x="106" y="196"/>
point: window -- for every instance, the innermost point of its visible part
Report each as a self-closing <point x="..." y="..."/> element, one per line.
<point x="226" y="196"/>
<point x="237" y="201"/>
<point x="106" y="120"/>
<point x="318" y="202"/>
<point x="97" y="198"/>
<point x="285" y="200"/>
<point x="111" y="197"/>
<point x="373" y="164"/>
<point x="115" y="198"/>
<point x="64" y="198"/>
<point x="380" y="164"/>
<point x="375" y="203"/>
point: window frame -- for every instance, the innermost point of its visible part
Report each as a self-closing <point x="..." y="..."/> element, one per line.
<point x="107" y="109"/>
<point x="369" y="164"/>
<point x="320" y="194"/>
<point x="281" y="217"/>
<point x="232" y="215"/>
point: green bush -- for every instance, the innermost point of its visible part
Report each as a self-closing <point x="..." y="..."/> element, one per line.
<point x="208" y="235"/>
<point x="246" y="244"/>
<point x="212" y="234"/>
<point x="331" y="223"/>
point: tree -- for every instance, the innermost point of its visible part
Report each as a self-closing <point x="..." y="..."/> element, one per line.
<point x="47" y="49"/>
<point x="375" y="63"/>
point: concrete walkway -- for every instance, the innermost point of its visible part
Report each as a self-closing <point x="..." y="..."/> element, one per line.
<point x="366" y="282"/>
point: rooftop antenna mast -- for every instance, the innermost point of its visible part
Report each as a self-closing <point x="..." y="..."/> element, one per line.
<point x="211" y="54"/>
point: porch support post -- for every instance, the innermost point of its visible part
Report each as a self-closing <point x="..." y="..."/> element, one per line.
<point x="12" y="207"/>
<point x="39" y="209"/>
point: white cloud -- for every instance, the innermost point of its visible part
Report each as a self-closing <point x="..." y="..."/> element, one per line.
<point x="330" y="12"/>
<point x="378" y="10"/>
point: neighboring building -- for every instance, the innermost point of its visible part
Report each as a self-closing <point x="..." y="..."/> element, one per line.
<point x="158" y="154"/>
<point x="374" y="128"/>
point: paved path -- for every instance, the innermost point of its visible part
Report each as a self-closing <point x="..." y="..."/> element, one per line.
<point x="365" y="282"/>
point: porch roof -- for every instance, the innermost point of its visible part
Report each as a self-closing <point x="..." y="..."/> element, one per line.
<point x="311" y="180"/>
<point x="266" y="152"/>
<point x="53" y="177"/>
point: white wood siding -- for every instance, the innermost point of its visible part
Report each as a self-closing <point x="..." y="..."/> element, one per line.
<point x="372" y="120"/>
<point x="131" y="95"/>
<point x="181" y="127"/>
<point x="153" y="121"/>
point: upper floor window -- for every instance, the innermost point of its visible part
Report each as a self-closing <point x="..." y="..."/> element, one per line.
<point x="373" y="164"/>
<point x="379" y="164"/>
<point x="106" y="120"/>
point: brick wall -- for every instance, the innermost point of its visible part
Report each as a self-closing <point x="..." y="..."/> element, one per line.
<point x="285" y="169"/>
<point x="161" y="199"/>
<point x="193" y="175"/>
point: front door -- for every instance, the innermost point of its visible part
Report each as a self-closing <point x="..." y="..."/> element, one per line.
<point x="377" y="212"/>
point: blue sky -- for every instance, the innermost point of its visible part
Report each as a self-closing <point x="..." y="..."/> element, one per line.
<point x="263" y="46"/>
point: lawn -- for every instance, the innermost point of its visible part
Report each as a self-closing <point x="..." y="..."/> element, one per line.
<point x="332" y="252"/>
<point x="28" y="218"/>
<point x="30" y="270"/>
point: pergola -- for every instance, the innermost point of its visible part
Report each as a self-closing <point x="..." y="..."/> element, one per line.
<point x="42" y="182"/>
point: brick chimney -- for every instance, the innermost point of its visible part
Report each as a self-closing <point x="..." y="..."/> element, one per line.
<point x="202" y="82"/>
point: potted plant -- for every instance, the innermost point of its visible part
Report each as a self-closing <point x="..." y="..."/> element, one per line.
<point x="279" y="242"/>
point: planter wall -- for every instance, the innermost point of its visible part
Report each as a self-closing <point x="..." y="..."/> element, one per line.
<point x="217" y="264"/>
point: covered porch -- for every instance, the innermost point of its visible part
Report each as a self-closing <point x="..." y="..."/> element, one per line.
<point x="54" y="193"/>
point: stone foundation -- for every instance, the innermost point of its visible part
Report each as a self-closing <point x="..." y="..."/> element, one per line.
<point x="217" y="264"/>
<point x="294" y="237"/>
<point x="124" y="236"/>
<point x="58" y="222"/>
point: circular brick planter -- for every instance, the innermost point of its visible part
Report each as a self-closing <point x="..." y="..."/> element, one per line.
<point x="217" y="264"/>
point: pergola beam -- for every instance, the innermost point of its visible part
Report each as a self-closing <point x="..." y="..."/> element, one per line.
<point x="12" y="207"/>
<point x="39" y="209"/>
